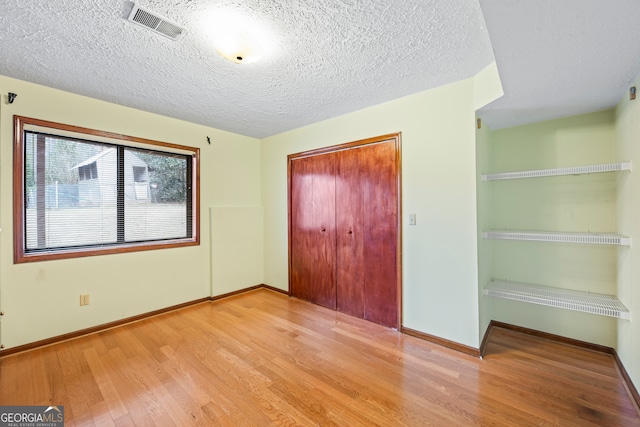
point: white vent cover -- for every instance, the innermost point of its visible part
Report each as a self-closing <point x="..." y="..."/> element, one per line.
<point x="154" y="22"/>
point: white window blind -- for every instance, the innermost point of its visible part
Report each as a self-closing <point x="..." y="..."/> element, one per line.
<point x="80" y="193"/>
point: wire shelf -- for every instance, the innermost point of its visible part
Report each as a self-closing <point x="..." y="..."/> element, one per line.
<point x="587" y="302"/>
<point x="577" y="170"/>
<point x="560" y="237"/>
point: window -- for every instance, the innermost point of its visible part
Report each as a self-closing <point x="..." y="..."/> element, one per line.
<point x="81" y="192"/>
<point x="140" y="173"/>
<point x="88" y="171"/>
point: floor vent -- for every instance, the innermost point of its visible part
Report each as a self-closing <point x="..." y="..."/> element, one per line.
<point x="155" y="22"/>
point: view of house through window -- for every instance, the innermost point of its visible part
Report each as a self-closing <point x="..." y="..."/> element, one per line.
<point x="155" y="195"/>
<point x="83" y="195"/>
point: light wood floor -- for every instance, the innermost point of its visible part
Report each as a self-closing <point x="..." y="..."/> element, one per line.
<point x="261" y="359"/>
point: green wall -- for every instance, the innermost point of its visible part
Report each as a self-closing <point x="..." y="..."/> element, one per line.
<point x="484" y="199"/>
<point x="598" y="202"/>
<point x="565" y="203"/>
<point x="244" y="214"/>
<point x="439" y="253"/>
<point x="41" y="299"/>
<point x="445" y="262"/>
<point x="628" y="217"/>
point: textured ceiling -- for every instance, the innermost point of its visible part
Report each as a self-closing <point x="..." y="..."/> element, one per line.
<point x="560" y="58"/>
<point x="331" y="56"/>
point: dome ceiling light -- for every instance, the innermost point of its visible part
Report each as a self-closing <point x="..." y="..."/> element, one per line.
<point x="238" y="46"/>
<point x="237" y="37"/>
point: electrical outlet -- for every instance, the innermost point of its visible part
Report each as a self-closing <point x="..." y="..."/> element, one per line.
<point x="84" y="299"/>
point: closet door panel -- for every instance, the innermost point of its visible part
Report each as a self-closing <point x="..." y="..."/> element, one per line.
<point x="313" y="232"/>
<point x="343" y="235"/>
<point x="380" y="234"/>
<point x="350" y="231"/>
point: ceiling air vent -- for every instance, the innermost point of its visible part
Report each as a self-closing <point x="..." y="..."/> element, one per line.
<point x="154" y="22"/>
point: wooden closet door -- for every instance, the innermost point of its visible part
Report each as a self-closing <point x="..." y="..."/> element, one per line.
<point x="313" y="233"/>
<point x="350" y="275"/>
<point x="344" y="230"/>
<point x="366" y="222"/>
<point x="380" y="222"/>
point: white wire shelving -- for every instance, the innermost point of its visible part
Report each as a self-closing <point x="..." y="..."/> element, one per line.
<point x="559" y="237"/>
<point x="587" y="302"/>
<point x="576" y="170"/>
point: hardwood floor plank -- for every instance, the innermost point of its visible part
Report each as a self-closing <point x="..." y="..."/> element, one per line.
<point x="185" y="402"/>
<point x="326" y="389"/>
<point x="125" y="421"/>
<point x="261" y="358"/>
<point x="82" y="390"/>
<point x="102" y="416"/>
<point x="115" y="362"/>
<point x="211" y="397"/>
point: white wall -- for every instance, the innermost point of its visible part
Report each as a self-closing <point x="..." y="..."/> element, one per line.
<point x="628" y="199"/>
<point x="41" y="299"/>
<point x="438" y="185"/>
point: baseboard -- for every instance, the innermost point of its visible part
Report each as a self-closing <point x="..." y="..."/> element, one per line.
<point x="441" y="341"/>
<point x="485" y="339"/>
<point x="252" y="288"/>
<point x="234" y="293"/>
<point x="110" y="325"/>
<point x="631" y="388"/>
<point x="626" y="379"/>
<point x="271" y="288"/>
<point x="552" y="337"/>
<point x="98" y="328"/>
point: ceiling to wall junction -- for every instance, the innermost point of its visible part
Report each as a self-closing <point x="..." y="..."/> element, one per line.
<point x="326" y="57"/>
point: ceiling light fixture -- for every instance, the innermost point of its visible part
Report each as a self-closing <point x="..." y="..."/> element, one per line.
<point x="238" y="46"/>
<point x="237" y="37"/>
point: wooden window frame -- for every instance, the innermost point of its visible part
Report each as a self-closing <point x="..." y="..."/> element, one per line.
<point x="22" y="124"/>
